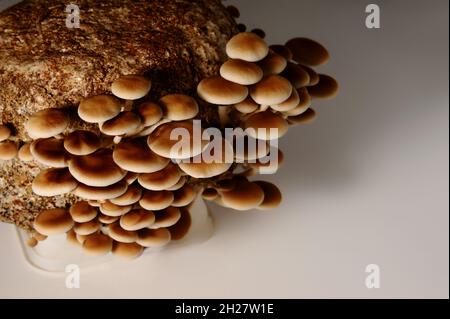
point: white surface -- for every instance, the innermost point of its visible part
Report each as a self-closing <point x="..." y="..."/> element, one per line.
<point x="367" y="183"/>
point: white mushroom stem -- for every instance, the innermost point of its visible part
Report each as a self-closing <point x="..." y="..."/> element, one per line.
<point x="224" y="115"/>
<point x="59" y="136"/>
<point x="117" y="139"/>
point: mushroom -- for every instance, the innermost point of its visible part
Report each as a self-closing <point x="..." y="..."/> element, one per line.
<point x="245" y="196"/>
<point x="127" y="250"/>
<point x="313" y="76"/>
<point x="135" y="156"/>
<point x="217" y="90"/>
<point x="5" y="132"/>
<point x="101" y="193"/>
<point x="53" y="222"/>
<point x="87" y="228"/>
<point x="179" y="107"/>
<point x="153" y="237"/>
<point x="297" y="75"/>
<point x="107" y="219"/>
<point x="259" y="32"/>
<point x="47" y="123"/>
<point x="241" y="72"/>
<point x="24" y="153"/>
<point x="137" y="219"/>
<point x="39" y="236"/>
<point x="71" y="238"/>
<point x="210" y="194"/>
<point x="184" y="196"/>
<point x="241" y="27"/>
<point x="8" y="150"/>
<point x="160" y="180"/>
<point x="121" y="235"/>
<point x="131" y="196"/>
<point x="247" y="106"/>
<point x="150" y="113"/>
<point x="326" y="88"/>
<point x="308" y="52"/>
<point x="282" y="50"/>
<point x="82" y="143"/>
<point x="109" y="209"/>
<point x="266" y="126"/>
<point x="97" y="244"/>
<point x="131" y="177"/>
<point x="272" y="195"/>
<point x="289" y="104"/>
<point x="247" y="148"/>
<point x="247" y="46"/>
<point x="303" y="105"/>
<point x="178" y="185"/>
<point x="50" y="152"/>
<point x="131" y="87"/>
<point x="97" y="169"/>
<point x="99" y="109"/>
<point x="53" y="182"/>
<point x="273" y="89"/>
<point x="305" y="118"/>
<point x="273" y="63"/>
<point x="166" y="218"/>
<point x="124" y="123"/>
<point x="32" y="242"/>
<point x="233" y="11"/>
<point x="82" y="212"/>
<point x="269" y="164"/>
<point x="156" y="200"/>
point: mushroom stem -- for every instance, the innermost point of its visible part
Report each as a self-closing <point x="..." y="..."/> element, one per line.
<point x="59" y="137"/>
<point x="128" y="105"/>
<point x="117" y="139"/>
<point x="224" y="115"/>
<point x="264" y="108"/>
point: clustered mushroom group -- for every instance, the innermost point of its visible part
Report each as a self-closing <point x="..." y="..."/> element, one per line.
<point x="135" y="191"/>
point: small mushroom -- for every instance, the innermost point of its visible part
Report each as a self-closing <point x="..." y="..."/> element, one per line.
<point x="247" y="46"/>
<point x="266" y="126"/>
<point x="82" y="212"/>
<point x="137" y="219"/>
<point x="247" y="106"/>
<point x="210" y="194"/>
<point x="150" y="113"/>
<point x="241" y="72"/>
<point x="326" y="88"/>
<point x="179" y="107"/>
<point x="269" y="164"/>
<point x="166" y="218"/>
<point x="87" y="228"/>
<point x="156" y="200"/>
<point x="5" y="132"/>
<point x="127" y="251"/>
<point x="54" y="182"/>
<point x="272" y="195"/>
<point x="50" y="152"/>
<point x="107" y="219"/>
<point x="184" y="196"/>
<point x="124" y="123"/>
<point x="153" y="237"/>
<point x="24" y="153"/>
<point x="308" y="52"/>
<point x="289" y="104"/>
<point x="273" y="89"/>
<point x="82" y="143"/>
<point x="160" y="180"/>
<point x="282" y="50"/>
<point x="297" y="75"/>
<point x="273" y="63"/>
<point x="121" y="235"/>
<point x="99" y="109"/>
<point x="305" y="118"/>
<point x="47" y="123"/>
<point x="247" y="148"/>
<point x="245" y="196"/>
<point x="313" y="76"/>
<point x="97" y="244"/>
<point x="71" y="238"/>
<point x="303" y="105"/>
<point x="259" y="32"/>
<point x="217" y="90"/>
<point x="233" y="11"/>
<point x="131" y="196"/>
<point x="53" y="222"/>
<point x="109" y="209"/>
<point x="131" y="87"/>
<point x="101" y="193"/>
<point x="8" y="150"/>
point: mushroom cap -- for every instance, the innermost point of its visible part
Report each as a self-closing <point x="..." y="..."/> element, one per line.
<point x="166" y="218"/>
<point x="137" y="219"/>
<point x="217" y="90"/>
<point x="303" y="105"/>
<point x="266" y="126"/>
<point x="97" y="169"/>
<point x="153" y="237"/>
<point x="268" y="164"/>
<point x="121" y="235"/>
<point x="210" y="194"/>
<point x="211" y="162"/>
<point x="97" y="244"/>
<point x="124" y="123"/>
<point x="160" y="180"/>
<point x="53" y="182"/>
<point x="282" y="50"/>
<point x="273" y="63"/>
<point x="247" y="106"/>
<point x="247" y="46"/>
<point x="131" y="87"/>
<point x="131" y="196"/>
<point x="53" y="222"/>
<point x="87" y="228"/>
<point x="8" y="150"/>
<point x="99" y="108"/>
<point x="178" y="185"/>
<point x="82" y="212"/>
<point x="156" y="200"/>
<point x="131" y="177"/>
<point x="259" y="32"/>
<point x="82" y="143"/>
<point x="150" y="113"/>
<point x="313" y="76"/>
<point x="109" y="209"/>
<point x="101" y="193"/>
<point x="272" y="195"/>
<point x="247" y="148"/>
<point x="291" y="103"/>
<point x="127" y="250"/>
<point x="308" y="52"/>
<point x="179" y="107"/>
<point x="39" y="237"/>
<point x="176" y="140"/>
<point x="107" y="219"/>
<point x="327" y="88"/>
<point x="241" y="72"/>
<point x="5" y="132"/>
<point x="233" y="11"/>
<point x="135" y="156"/>
<point x="305" y="118"/>
<point x="24" y="153"/>
<point x="184" y="196"/>
<point x="47" y="123"/>
<point x="297" y="75"/>
<point x="71" y="238"/>
<point x="273" y="89"/>
<point x="50" y="152"/>
<point x="245" y="196"/>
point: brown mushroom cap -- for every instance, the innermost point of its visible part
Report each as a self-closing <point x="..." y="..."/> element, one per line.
<point x="156" y="200"/>
<point x="210" y="194"/>
<point x="107" y="219"/>
<point x="71" y="238"/>
<point x="245" y="196"/>
<point x="282" y="50"/>
<point x="184" y="196"/>
<point x="131" y="196"/>
<point x="8" y="150"/>
<point x="98" y="109"/>
<point x="178" y="185"/>
<point x="305" y="118"/>
<point x="313" y="76"/>
<point x="326" y="88"/>
<point x="50" y="152"/>
<point x="135" y="156"/>
<point x="24" y="153"/>
<point x="308" y="52"/>
<point x="116" y="232"/>
<point x="5" y="133"/>
<point x="160" y="180"/>
<point x="289" y="104"/>
<point x="273" y="89"/>
<point x="82" y="143"/>
<point x="131" y="87"/>
<point x="47" y="123"/>
<point x="101" y="193"/>
<point x="127" y="250"/>
<point x="303" y="105"/>
<point x="82" y="212"/>
<point x="297" y="75"/>
<point x="124" y="123"/>
<point x="272" y="195"/>
<point x="53" y="222"/>
<point x="109" y="209"/>
<point x="247" y="148"/>
<point x="97" y="244"/>
<point x="273" y="63"/>
<point x="150" y="113"/>
<point x="166" y="218"/>
<point x="131" y="177"/>
<point x="87" y="228"/>
<point x="53" y="182"/>
<point x="241" y="72"/>
<point x="137" y="219"/>
<point x="179" y="107"/>
<point x="266" y="125"/>
<point x="97" y="169"/>
<point x="247" y="106"/>
<point x="153" y="237"/>
<point x="217" y="90"/>
<point x="259" y="32"/>
<point x="247" y="46"/>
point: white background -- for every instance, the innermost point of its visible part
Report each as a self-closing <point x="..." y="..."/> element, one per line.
<point x="367" y="183"/>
